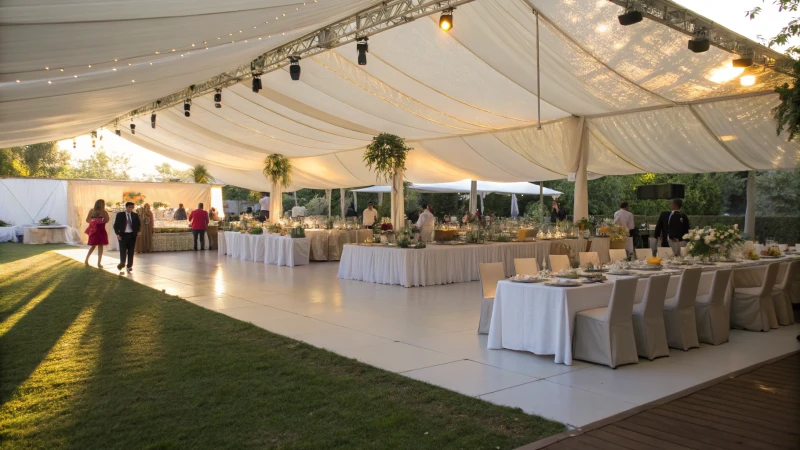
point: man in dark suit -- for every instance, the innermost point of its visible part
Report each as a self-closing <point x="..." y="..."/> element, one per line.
<point x="127" y="228"/>
<point x="672" y="226"/>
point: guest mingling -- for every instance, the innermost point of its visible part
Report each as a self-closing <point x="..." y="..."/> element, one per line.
<point x="127" y="227"/>
<point x="180" y="213"/>
<point x="199" y="222"/>
<point x="98" y="237"/>
<point x="144" y="244"/>
<point x="369" y="216"/>
<point x="672" y="225"/>
<point x="263" y="216"/>
<point x="425" y="223"/>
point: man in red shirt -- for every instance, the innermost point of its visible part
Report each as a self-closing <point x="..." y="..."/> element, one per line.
<point x="199" y="221"/>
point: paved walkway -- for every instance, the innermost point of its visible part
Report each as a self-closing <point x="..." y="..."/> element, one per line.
<point x="756" y="410"/>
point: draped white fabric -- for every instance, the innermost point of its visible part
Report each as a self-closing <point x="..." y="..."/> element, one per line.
<point x="26" y="201"/>
<point x="629" y="99"/>
<point x="267" y="248"/>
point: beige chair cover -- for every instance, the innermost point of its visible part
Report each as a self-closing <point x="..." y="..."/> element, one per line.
<point x="648" y="319"/>
<point x="713" y="325"/>
<point x="617" y="254"/>
<point x="587" y="258"/>
<point x="665" y="252"/>
<point x="605" y="335"/>
<point x="526" y="266"/>
<point x="752" y="307"/>
<point x="643" y="253"/>
<point x="679" y="312"/>
<point x="782" y="293"/>
<point x="490" y="274"/>
<point x="559" y="263"/>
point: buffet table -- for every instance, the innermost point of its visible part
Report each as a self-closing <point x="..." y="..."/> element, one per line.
<point x="8" y="234"/>
<point x="539" y="319"/>
<point x="442" y="263"/>
<point x="327" y="245"/>
<point x="172" y="242"/>
<point x="50" y="234"/>
<point x="267" y="248"/>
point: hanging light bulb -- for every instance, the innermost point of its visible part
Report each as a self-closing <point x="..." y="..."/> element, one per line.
<point x="446" y="19"/>
<point x="218" y="99"/>
<point x="187" y="107"/>
<point x="362" y="47"/>
<point x="294" y="67"/>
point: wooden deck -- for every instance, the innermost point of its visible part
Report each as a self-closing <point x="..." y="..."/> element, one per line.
<point x="755" y="410"/>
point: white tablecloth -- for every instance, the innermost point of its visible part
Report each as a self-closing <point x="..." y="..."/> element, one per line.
<point x="51" y="235"/>
<point x="266" y="248"/>
<point x="8" y="234"/>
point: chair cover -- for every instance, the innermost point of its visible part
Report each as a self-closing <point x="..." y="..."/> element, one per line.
<point x="782" y="294"/>
<point x="587" y="258"/>
<point x="490" y="274"/>
<point x="665" y="252"/>
<point x="643" y="253"/>
<point x="648" y="319"/>
<point x="605" y="335"/>
<point x="713" y="325"/>
<point x="526" y="266"/>
<point x="679" y="312"/>
<point x="752" y="307"/>
<point x="617" y="254"/>
<point x="559" y="263"/>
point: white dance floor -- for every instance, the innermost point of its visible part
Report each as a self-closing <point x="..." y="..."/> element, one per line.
<point x="430" y="334"/>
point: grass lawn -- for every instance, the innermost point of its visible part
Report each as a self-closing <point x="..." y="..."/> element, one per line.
<point x="92" y="360"/>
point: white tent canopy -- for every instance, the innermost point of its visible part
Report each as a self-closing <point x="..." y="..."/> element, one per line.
<point x="463" y="186"/>
<point x="615" y="100"/>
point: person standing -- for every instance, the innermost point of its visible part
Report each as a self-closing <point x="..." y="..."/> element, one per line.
<point x="212" y="214"/>
<point x="199" y="221"/>
<point x="370" y="216"/>
<point x="98" y="236"/>
<point x="180" y="213"/>
<point x="145" y="242"/>
<point x="264" y="203"/>
<point x="425" y="223"/>
<point x="557" y="213"/>
<point x="624" y="218"/>
<point x="672" y="226"/>
<point x="127" y="228"/>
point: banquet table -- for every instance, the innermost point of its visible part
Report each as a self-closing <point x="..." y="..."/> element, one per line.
<point x="267" y="248"/>
<point x="50" y="234"/>
<point x="440" y="263"/>
<point x="540" y="319"/>
<point x="327" y="245"/>
<point x="8" y="234"/>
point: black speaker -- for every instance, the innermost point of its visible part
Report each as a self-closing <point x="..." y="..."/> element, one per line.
<point x="660" y="191"/>
<point x="630" y="18"/>
<point x="699" y="44"/>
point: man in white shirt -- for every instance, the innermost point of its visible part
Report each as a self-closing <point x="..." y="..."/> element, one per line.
<point x="624" y="218"/>
<point x="264" y="203"/>
<point x="370" y="216"/>
<point x="425" y="223"/>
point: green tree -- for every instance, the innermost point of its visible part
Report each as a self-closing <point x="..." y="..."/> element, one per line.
<point x="240" y="194"/>
<point x="165" y="172"/>
<point x="200" y="174"/>
<point x="103" y="166"/>
<point x="778" y="193"/>
<point x="44" y="160"/>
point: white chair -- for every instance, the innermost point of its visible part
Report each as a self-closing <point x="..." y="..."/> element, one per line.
<point x="559" y="263"/>
<point x="587" y="258"/>
<point x="490" y="274"/>
<point x="713" y="326"/>
<point x="665" y="252"/>
<point x="782" y="293"/>
<point x="526" y="266"/>
<point x="752" y="307"/>
<point x="648" y="319"/>
<point x="605" y="335"/>
<point x="679" y="312"/>
<point x="643" y="253"/>
<point x="617" y="254"/>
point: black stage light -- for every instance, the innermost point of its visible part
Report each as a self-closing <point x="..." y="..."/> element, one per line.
<point x="133" y="128"/>
<point x="153" y="120"/>
<point x="699" y="43"/>
<point x="743" y="62"/>
<point x="218" y="99"/>
<point x="446" y="19"/>
<point x="630" y="18"/>
<point x="118" y="132"/>
<point x="74" y="144"/>
<point x="362" y="47"/>
<point x="256" y="83"/>
<point x="187" y="107"/>
<point x="294" y="67"/>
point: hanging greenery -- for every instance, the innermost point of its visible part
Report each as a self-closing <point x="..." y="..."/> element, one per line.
<point x="386" y="154"/>
<point x="279" y="169"/>
<point x="787" y="114"/>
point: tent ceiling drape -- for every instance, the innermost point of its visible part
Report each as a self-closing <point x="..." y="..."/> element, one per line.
<point x="634" y="99"/>
<point x="464" y="186"/>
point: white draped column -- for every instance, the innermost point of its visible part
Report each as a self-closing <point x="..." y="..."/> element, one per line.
<point x="541" y="198"/>
<point x="276" y="202"/>
<point x="581" y="206"/>
<point x="355" y="200"/>
<point x="328" y="195"/>
<point x="342" y="206"/>
<point x="473" y="197"/>
<point x="750" y="212"/>
<point x="398" y="201"/>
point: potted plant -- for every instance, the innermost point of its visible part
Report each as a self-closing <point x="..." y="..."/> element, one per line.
<point x="386" y="156"/>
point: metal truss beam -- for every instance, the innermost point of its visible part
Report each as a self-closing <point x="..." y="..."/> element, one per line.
<point x="380" y="17"/>
<point x="688" y="22"/>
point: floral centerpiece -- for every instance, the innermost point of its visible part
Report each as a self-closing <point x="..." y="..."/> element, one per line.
<point x="47" y="221"/>
<point x="256" y="230"/>
<point x="613" y="231"/>
<point x="584" y="224"/>
<point x="403" y="241"/>
<point x="386" y="225"/>
<point x="276" y="228"/>
<point x="718" y="240"/>
<point x="160" y="205"/>
<point x="420" y="244"/>
<point x="475" y="236"/>
<point x="298" y="232"/>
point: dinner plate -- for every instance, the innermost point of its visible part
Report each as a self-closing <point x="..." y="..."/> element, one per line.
<point x="619" y="272"/>
<point x="532" y="280"/>
<point x="652" y="268"/>
<point x="561" y="284"/>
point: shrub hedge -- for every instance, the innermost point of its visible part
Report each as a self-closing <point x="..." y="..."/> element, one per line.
<point x="784" y="229"/>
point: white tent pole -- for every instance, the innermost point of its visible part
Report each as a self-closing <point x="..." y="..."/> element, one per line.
<point x="397" y="200"/>
<point x="355" y="200"/>
<point x="295" y="198"/>
<point x="328" y="195"/>
<point x="750" y="212"/>
<point x="342" y="207"/>
<point x="380" y="198"/>
<point x="581" y="205"/>
<point x="473" y="197"/>
<point x="541" y="198"/>
<point x="483" y="195"/>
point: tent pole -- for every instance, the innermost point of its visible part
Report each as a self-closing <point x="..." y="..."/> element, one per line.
<point x="473" y="197"/>
<point x="750" y="212"/>
<point x="538" y="78"/>
<point x="541" y="198"/>
<point x="342" y="206"/>
<point x="380" y="198"/>
<point x="328" y="195"/>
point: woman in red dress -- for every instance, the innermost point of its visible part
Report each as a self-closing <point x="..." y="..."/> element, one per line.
<point x="98" y="237"/>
